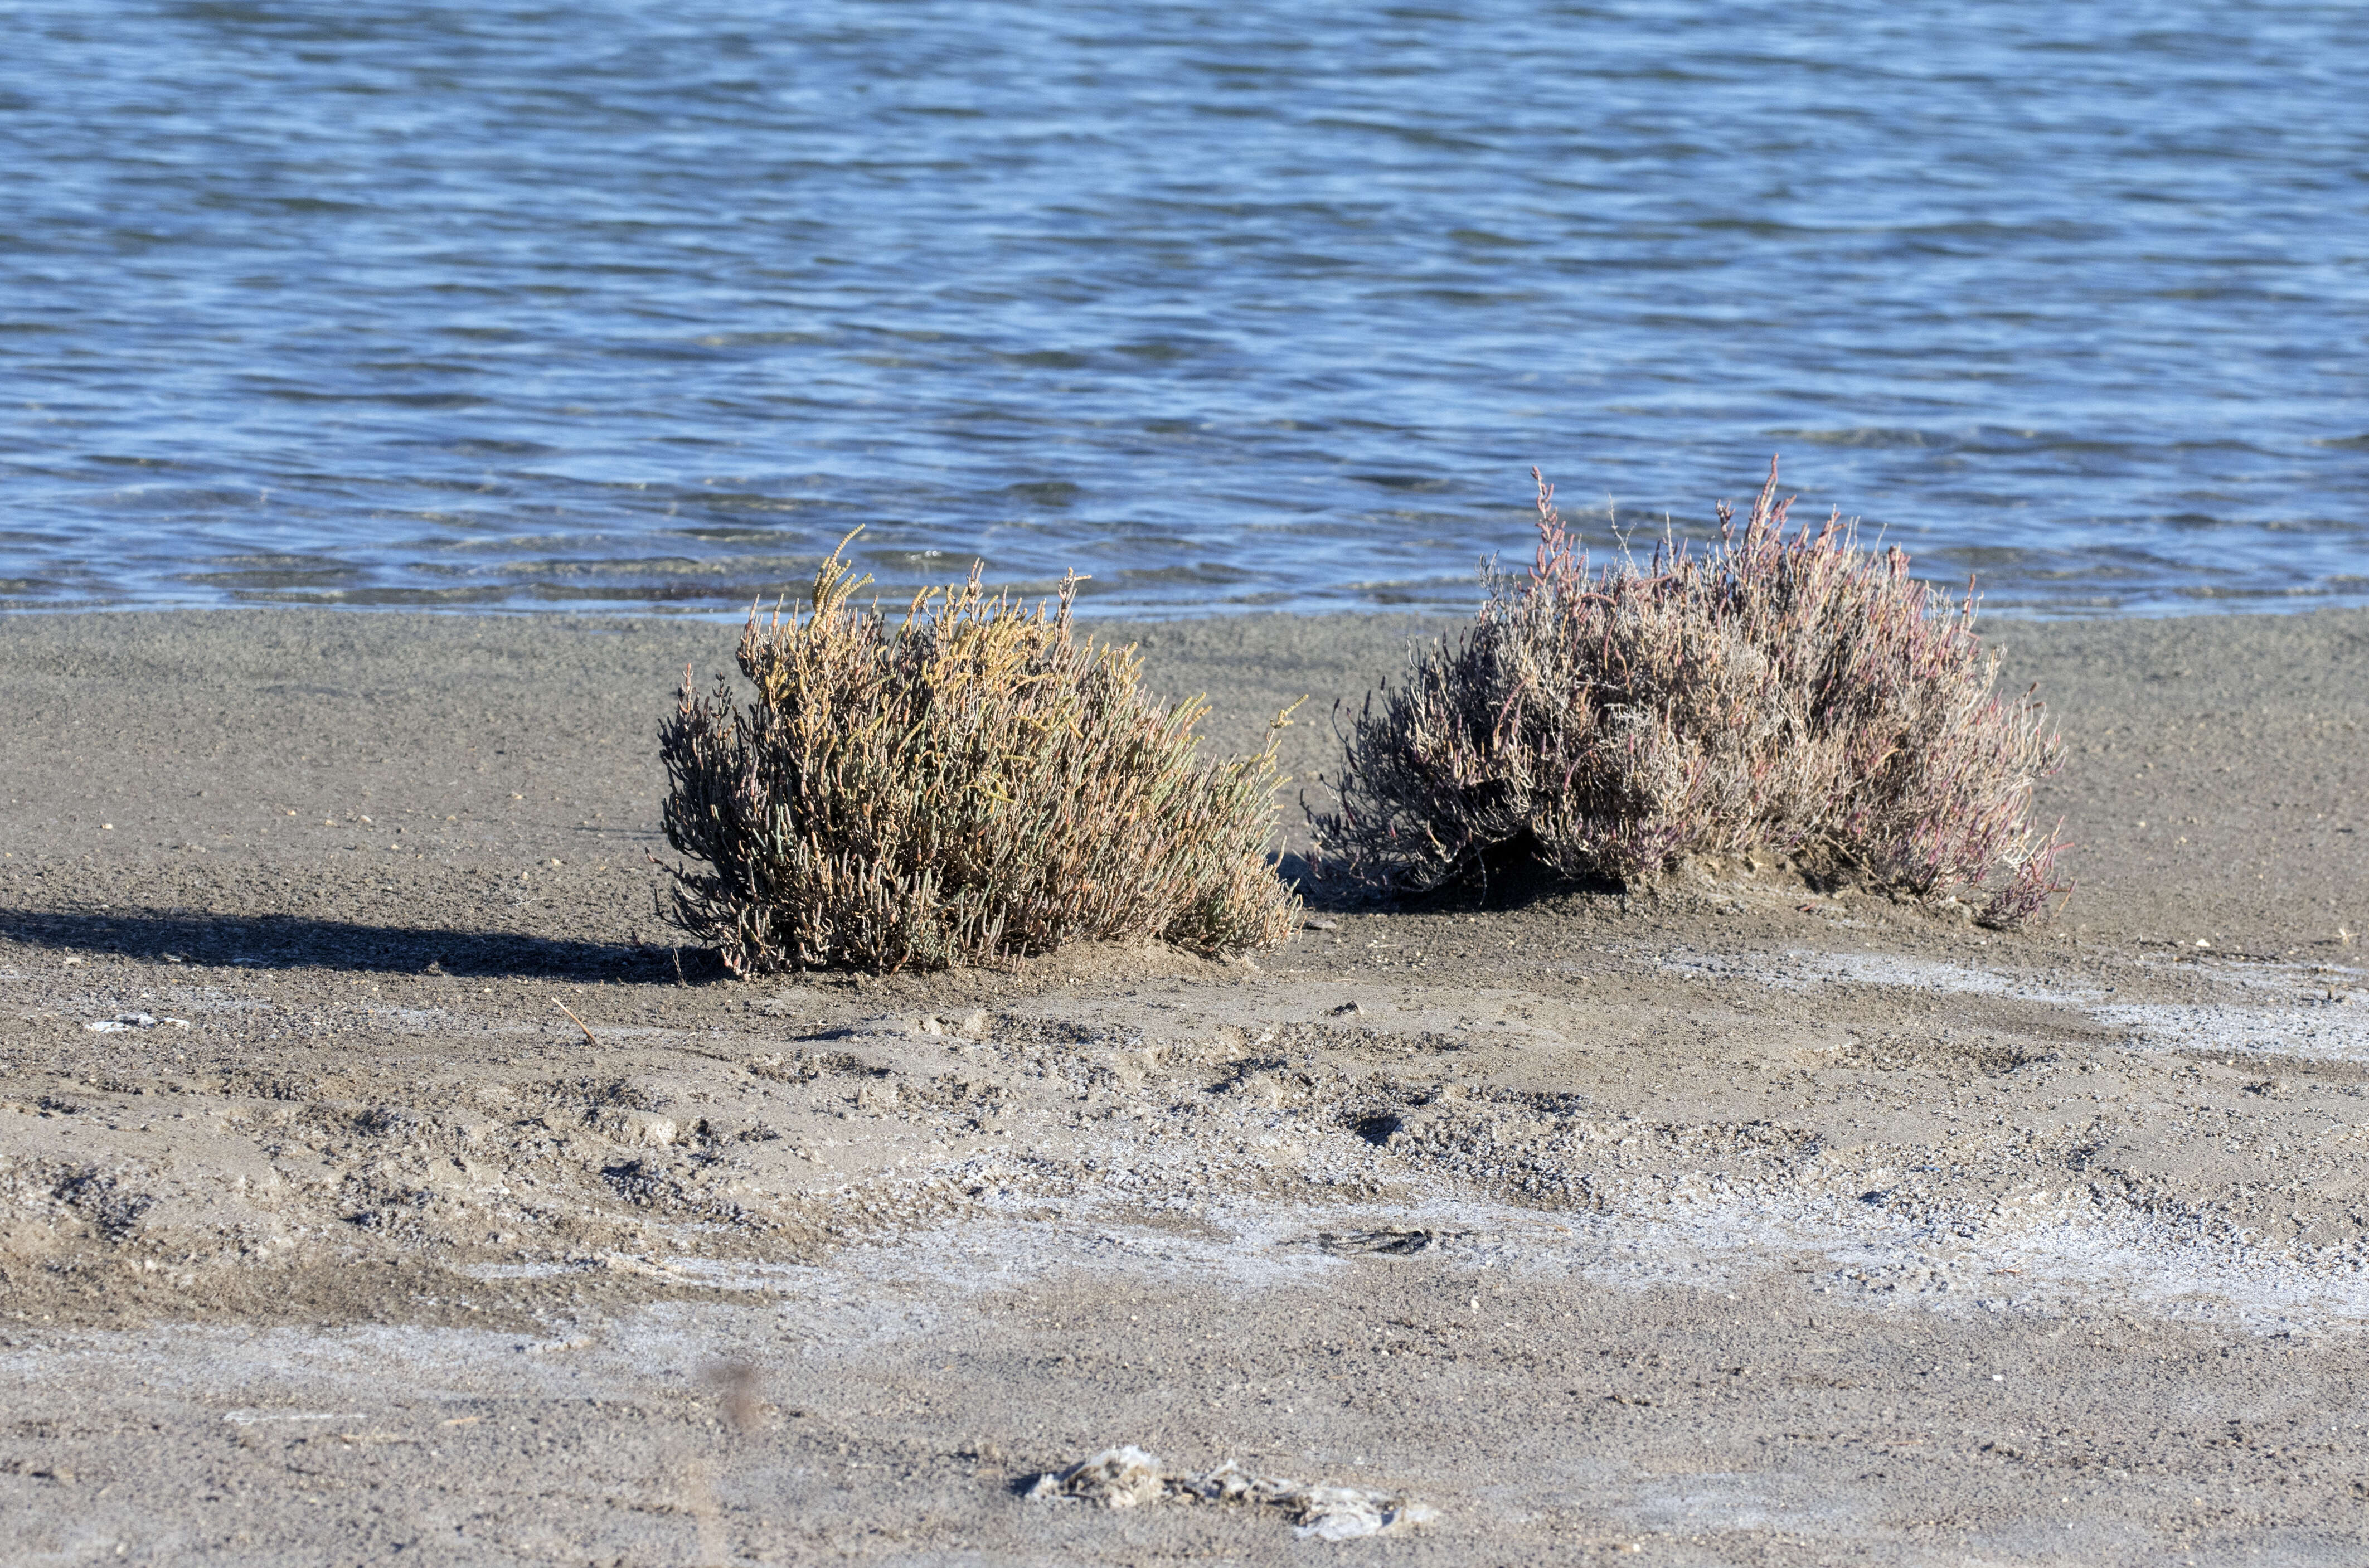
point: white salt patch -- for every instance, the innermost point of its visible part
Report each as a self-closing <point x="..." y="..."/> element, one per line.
<point x="2325" y="1031"/>
<point x="2322" y="1033"/>
<point x="1800" y="971"/>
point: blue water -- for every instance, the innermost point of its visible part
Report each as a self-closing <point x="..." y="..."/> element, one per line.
<point x="516" y="306"/>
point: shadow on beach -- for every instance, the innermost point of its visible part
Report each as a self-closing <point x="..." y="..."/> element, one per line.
<point x="1511" y="880"/>
<point x="296" y="942"/>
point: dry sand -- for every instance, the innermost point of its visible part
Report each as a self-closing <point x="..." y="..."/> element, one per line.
<point x="1737" y="1224"/>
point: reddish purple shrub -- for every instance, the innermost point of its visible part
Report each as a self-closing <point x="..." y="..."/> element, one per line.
<point x="1795" y="694"/>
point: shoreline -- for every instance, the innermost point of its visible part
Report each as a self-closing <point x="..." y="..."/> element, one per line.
<point x="2269" y="605"/>
<point x="1761" y="1225"/>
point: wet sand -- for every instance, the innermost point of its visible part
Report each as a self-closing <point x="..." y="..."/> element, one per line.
<point x="1736" y="1223"/>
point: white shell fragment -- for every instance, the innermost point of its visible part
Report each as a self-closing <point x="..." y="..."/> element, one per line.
<point x="1126" y="1477"/>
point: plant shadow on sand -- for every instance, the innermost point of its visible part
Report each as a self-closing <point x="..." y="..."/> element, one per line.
<point x="295" y="942"/>
<point x="1510" y="880"/>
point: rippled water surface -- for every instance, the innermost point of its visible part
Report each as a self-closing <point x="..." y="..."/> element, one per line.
<point x="507" y="305"/>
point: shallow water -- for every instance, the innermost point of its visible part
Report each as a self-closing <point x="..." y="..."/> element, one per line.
<point x="518" y="306"/>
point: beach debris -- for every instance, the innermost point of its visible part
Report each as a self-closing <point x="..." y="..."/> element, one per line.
<point x="637" y="1129"/>
<point x="1390" y="1241"/>
<point x="1126" y="1477"/>
<point x="580" y="1023"/>
<point x="1121" y="1477"/>
<point x="122" y="1022"/>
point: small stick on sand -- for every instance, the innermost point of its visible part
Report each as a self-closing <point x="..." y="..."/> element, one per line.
<point x="578" y="1022"/>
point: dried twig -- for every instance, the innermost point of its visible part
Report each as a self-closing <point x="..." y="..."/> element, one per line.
<point x="579" y="1021"/>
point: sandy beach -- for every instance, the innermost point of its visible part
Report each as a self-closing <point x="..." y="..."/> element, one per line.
<point x="414" y="1198"/>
